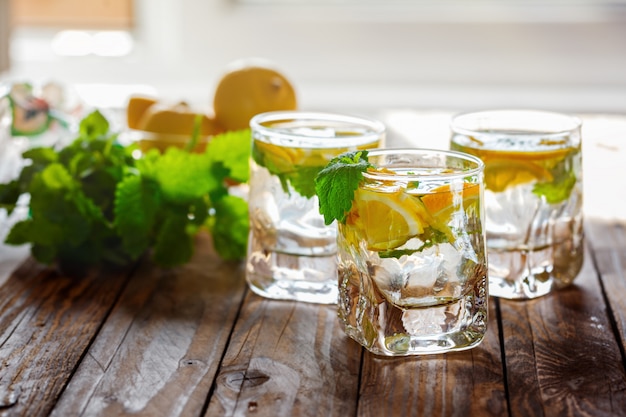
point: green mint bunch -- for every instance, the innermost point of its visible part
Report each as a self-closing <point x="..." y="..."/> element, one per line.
<point x="93" y="203"/>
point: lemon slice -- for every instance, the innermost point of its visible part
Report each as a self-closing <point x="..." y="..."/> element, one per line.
<point x="282" y="159"/>
<point x="278" y="159"/>
<point x="389" y="220"/>
<point x="442" y="202"/>
<point x="501" y="174"/>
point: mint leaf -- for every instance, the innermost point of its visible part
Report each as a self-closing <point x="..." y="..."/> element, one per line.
<point x="300" y="180"/>
<point x="87" y="207"/>
<point x="173" y="246"/>
<point x="230" y="229"/>
<point x="232" y="150"/>
<point x="41" y="155"/>
<point x="9" y="194"/>
<point x="183" y="176"/>
<point x="136" y="205"/>
<point x="557" y="191"/>
<point x="146" y="165"/>
<point x="336" y="183"/>
<point x="61" y="213"/>
<point x="93" y="125"/>
<point x="564" y="180"/>
<point x="56" y="177"/>
<point x="21" y="233"/>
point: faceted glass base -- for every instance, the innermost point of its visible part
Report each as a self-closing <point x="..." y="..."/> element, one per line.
<point x="311" y="279"/>
<point x="386" y="329"/>
<point x="523" y="275"/>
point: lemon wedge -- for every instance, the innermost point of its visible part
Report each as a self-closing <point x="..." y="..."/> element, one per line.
<point x="136" y="107"/>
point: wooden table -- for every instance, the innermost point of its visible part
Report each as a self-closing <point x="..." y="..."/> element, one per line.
<point x="194" y="341"/>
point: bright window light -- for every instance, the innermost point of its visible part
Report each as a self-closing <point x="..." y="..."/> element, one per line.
<point x="72" y="43"/>
<point x="82" y="43"/>
<point x="112" y="43"/>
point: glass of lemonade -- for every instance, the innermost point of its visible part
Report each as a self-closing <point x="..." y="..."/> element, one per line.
<point x="412" y="254"/>
<point x="291" y="252"/>
<point x="533" y="196"/>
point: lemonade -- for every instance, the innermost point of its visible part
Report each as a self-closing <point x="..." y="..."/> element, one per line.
<point x="292" y="253"/>
<point x="412" y="256"/>
<point x="533" y="198"/>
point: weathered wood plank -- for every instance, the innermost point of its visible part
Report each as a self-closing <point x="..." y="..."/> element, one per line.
<point x="159" y="351"/>
<point x="11" y="257"/>
<point x="47" y="321"/>
<point x="562" y="358"/>
<point x="608" y="241"/>
<point x="466" y="383"/>
<point x="287" y="359"/>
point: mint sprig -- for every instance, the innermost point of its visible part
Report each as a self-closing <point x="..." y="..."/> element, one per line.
<point x="335" y="184"/>
<point x="92" y="202"/>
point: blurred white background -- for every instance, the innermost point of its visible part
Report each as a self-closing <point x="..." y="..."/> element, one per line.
<point x="409" y="63"/>
<point x="567" y="55"/>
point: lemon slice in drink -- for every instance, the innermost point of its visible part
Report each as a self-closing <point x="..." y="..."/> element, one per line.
<point x="389" y="220"/>
<point x="442" y="202"/>
<point x="282" y="159"/>
<point x="278" y="159"/>
<point x="501" y="174"/>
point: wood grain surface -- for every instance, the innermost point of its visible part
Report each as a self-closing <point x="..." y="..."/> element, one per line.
<point x="287" y="358"/>
<point x="193" y="341"/>
<point x="562" y="357"/>
<point x="160" y="348"/>
<point x="47" y="321"/>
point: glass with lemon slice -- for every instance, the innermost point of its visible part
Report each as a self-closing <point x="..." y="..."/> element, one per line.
<point x="412" y="255"/>
<point x="291" y="252"/>
<point x="533" y="196"/>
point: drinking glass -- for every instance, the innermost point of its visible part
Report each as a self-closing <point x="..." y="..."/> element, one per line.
<point x="291" y="253"/>
<point x="412" y="254"/>
<point x="533" y="196"/>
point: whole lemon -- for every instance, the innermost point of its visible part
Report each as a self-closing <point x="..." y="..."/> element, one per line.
<point x="247" y="89"/>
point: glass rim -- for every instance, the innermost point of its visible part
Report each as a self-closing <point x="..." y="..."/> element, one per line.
<point x="575" y="123"/>
<point x="381" y="176"/>
<point x="377" y="127"/>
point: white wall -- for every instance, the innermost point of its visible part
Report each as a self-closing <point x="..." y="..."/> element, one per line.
<point x="571" y="59"/>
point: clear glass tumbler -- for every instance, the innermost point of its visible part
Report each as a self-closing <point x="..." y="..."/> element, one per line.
<point x="412" y="254"/>
<point x="291" y="253"/>
<point x="533" y="196"/>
